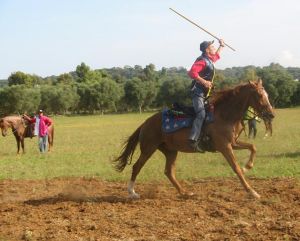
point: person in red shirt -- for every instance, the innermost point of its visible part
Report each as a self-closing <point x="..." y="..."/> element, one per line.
<point x="41" y="129"/>
<point x="202" y="73"/>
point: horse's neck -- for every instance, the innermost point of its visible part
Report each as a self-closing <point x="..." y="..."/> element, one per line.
<point x="234" y="108"/>
<point x="14" y="122"/>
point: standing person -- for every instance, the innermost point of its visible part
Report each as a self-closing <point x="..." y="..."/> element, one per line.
<point x="202" y="72"/>
<point x="252" y="118"/>
<point x="41" y="129"/>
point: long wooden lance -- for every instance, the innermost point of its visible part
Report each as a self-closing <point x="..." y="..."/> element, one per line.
<point x="200" y="27"/>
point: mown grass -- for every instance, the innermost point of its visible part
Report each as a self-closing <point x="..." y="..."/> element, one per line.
<point x="85" y="146"/>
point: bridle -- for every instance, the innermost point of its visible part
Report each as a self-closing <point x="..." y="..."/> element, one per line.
<point x="254" y="115"/>
<point x="264" y="113"/>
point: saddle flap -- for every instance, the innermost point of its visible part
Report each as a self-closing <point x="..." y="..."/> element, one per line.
<point x="174" y="120"/>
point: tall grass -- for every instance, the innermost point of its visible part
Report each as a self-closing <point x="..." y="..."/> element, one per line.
<point x="85" y="146"/>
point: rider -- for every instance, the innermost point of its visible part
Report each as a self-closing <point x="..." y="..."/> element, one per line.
<point x="202" y="73"/>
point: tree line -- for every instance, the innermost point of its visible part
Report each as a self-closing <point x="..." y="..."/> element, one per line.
<point x="132" y="88"/>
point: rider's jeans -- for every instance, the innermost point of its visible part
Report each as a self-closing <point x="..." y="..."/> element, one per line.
<point x="198" y="104"/>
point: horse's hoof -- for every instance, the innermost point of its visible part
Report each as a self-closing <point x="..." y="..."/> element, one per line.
<point x="134" y="196"/>
<point x="247" y="168"/>
<point x="254" y="194"/>
<point x="187" y="194"/>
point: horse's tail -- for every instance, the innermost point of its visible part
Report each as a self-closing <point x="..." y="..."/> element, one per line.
<point x="128" y="151"/>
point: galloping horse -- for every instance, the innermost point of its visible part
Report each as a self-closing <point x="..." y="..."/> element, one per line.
<point x="229" y="108"/>
<point x="22" y="129"/>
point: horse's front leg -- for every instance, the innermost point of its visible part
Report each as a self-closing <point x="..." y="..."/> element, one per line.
<point x="239" y="145"/>
<point x="22" y="144"/>
<point x="18" y="145"/>
<point x="229" y="156"/>
<point x="240" y="128"/>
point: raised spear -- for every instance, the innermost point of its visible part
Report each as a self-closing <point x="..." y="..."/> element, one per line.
<point x="200" y="27"/>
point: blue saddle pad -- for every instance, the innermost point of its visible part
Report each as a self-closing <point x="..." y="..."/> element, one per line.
<point x="173" y="121"/>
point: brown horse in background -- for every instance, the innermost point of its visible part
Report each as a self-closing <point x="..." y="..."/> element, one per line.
<point x="22" y="129"/>
<point x="229" y="108"/>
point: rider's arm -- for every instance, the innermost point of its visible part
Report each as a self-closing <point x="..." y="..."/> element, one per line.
<point x="197" y="67"/>
<point x="48" y="121"/>
<point x="26" y="117"/>
<point x="221" y="46"/>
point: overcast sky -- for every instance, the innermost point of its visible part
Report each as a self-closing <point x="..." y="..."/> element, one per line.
<point x="51" y="37"/>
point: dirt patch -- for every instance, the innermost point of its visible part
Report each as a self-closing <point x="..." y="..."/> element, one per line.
<point x="90" y="209"/>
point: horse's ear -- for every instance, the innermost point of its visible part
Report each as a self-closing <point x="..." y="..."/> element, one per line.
<point x="259" y="81"/>
<point x="251" y="82"/>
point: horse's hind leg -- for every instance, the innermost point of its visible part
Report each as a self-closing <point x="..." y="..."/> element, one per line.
<point x="49" y="142"/>
<point x="144" y="156"/>
<point x="170" y="169"/>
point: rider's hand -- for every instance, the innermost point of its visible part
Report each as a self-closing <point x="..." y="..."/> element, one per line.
<point x="221" y="42"/>
<point x="208" y="84"/>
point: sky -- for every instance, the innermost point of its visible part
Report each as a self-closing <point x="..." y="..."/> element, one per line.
<point x="51" y="37"/>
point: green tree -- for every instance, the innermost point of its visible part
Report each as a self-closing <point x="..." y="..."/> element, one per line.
<point x="149" y="73"/>
<point x="84" y="74"/>
<point x="174" y="89"/>
<point x="65" y="79"/>
<point x="139" y="94"/>
<point x="86" y="102"/>
<point x="249" y="74"/>
<point x="296" y="96"/>
<point x="20" y="78"/>
<point x="18" y="99"/>
<point x="58" y="99"/>
<point x="82" y="70"/>
<point x="279" y="84"/>
<point x="105" y="95"/>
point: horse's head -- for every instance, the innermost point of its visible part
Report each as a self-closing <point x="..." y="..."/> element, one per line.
<point x="259" y="100"/>
<point x="4" y="125"/>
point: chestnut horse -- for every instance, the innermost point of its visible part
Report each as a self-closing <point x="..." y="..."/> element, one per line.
<point x="21" y="129"/>
<point x="229" y="108"/>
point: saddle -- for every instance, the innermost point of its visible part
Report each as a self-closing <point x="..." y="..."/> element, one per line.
<point x="187" y="110"/>
<point x="29" y="128"/>
<point x="181" y="116"/>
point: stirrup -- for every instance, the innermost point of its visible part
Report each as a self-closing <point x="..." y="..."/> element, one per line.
<point x="195" y="146"/>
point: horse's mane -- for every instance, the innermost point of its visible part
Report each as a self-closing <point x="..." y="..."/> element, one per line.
<point x="227" y="102"/>
<point x="222" y="96"/>
<point x="12" y="117"/>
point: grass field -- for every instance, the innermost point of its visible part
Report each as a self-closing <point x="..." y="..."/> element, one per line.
<point x="85" y="146"/>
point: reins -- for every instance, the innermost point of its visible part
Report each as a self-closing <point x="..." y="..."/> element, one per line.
<point x="254" y="114"/>
<point x="212" y="81"/>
